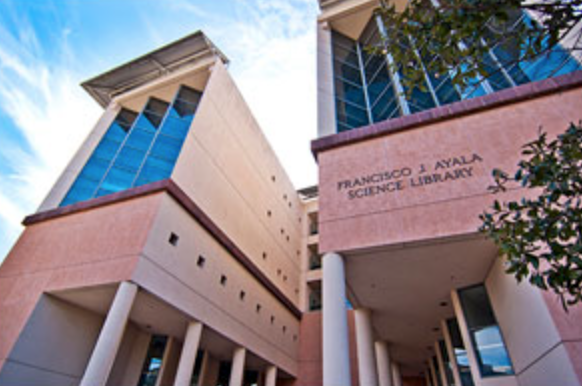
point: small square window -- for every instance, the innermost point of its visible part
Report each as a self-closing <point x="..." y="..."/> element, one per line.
<point x="284" y="277"/>
<point x="201" y="261"/>
<point x="273" y="178"/>
<point x="223" y="279"/>
<point x="173" y="239"/>
<point x="264" y="255"/>
<point x="288" y="239"/>
<point x="272" y="319"/>
<point x="284" y="329"/>
<point x="242" y="295"/>
<point x="278" y="272"/>
<point x="269" y="213"/>
<point x="258" y="308"/>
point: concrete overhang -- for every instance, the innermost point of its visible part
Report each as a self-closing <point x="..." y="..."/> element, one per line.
<point x="150" y="67"/>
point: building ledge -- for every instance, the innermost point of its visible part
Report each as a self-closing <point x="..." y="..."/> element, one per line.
<point x="170" y="187"/>
<point x="450" y="111"/>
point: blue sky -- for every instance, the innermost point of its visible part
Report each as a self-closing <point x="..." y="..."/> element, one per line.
<point x="48" y="47"/>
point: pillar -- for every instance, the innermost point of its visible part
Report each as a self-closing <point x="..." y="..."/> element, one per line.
<point x="188" y="355"/>
<point x="383" y="363"/>
<point x="105" y="350"/>
<point x="396" y="377"/>
<point x="336" y="350"/>
<point x="466" y="336"/>
<point x="209" y="370"/>
<point x="365" y="347"/>
<point x="271" y="376"/>
<point x="441" y="364"/>
<point x="433" y="374"/>
<point x="237" y="370"/>
<point x="451" y="352"/>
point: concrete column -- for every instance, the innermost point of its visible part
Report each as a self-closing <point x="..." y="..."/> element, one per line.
<point x="440" y="364"/>
<point x="188" y="355"/>
<point x="237" y="370"/>
<point x="383" y="364"/>
<point x="167" y="372"/>
<point x="105" y="350"/>
<point x="336" y="350"/>
<point x="271" y="376"/>
<point x="396" y="377"/>
<point x="433" y="374"/>
<point x="209" y="370"/>
<point x="451" y="352"/>
<point x="365" y="347"/>
<point x="466" y="337"/>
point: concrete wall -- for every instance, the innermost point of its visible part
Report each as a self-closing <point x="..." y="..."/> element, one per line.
<point x="229" y="170"/>
<point x="54" y="346"/>
<point x="311" y="350"/>
<point x="435" y="210"/>
<point x="172" y="273"/>
<point x="130" y="357"/>
<point x="326" y="118"/>
<point x="83" y="249"/>
<point x="539" y="357"/>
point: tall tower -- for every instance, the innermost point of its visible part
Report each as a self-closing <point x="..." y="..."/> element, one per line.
<point x="403" y="177"/>
<point x="168" y="250"/>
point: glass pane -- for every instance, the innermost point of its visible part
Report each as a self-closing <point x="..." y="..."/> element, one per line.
<point x="106" y="149"/>
<point x="129" y="159"/>
<point x="117" y="180"/>
<point x="175" y="127"/>
<point x="81" y="190"/>
<point x="489" y="346"/>
<point x="94" y="169"/>
<point x="460" y="353"/>
<point x="166" y="147"/>
<point x="476" y="307"/>
<point x="140" y="139"/>
<point x="446" y="363"/>
<point x="491" y="352"/>
<point x="153" y="362"/>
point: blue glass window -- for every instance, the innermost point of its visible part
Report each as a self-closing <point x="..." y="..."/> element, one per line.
<point x="491" y="352"/>
<point x="367" y="89"/>
<point x="137" y="149"/>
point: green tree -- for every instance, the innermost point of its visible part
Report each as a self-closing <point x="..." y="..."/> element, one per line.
<point x="541" y="235"/>
<point x="461" y="32"/>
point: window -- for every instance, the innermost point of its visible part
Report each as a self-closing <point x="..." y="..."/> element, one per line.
<point x="460" y="352"/>
<point x="446" y="363"/>
<point x="153" y="362"/>
<point x="368" y="89"/>
<point x="492" y="355"/>
<point x="173" y="239"/>
<point x="137" y="149"/>
<point x="201" y="261"/>
<point x="437" y="371"/>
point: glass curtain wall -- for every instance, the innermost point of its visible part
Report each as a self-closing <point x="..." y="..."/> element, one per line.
<point x="137" y="148"/>
<point x="490" y="349"/>
<point x="368" y="89"/>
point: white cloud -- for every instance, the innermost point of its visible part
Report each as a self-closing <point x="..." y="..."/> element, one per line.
<point x="51" y="114"/>
<point x="272" y="46"/>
